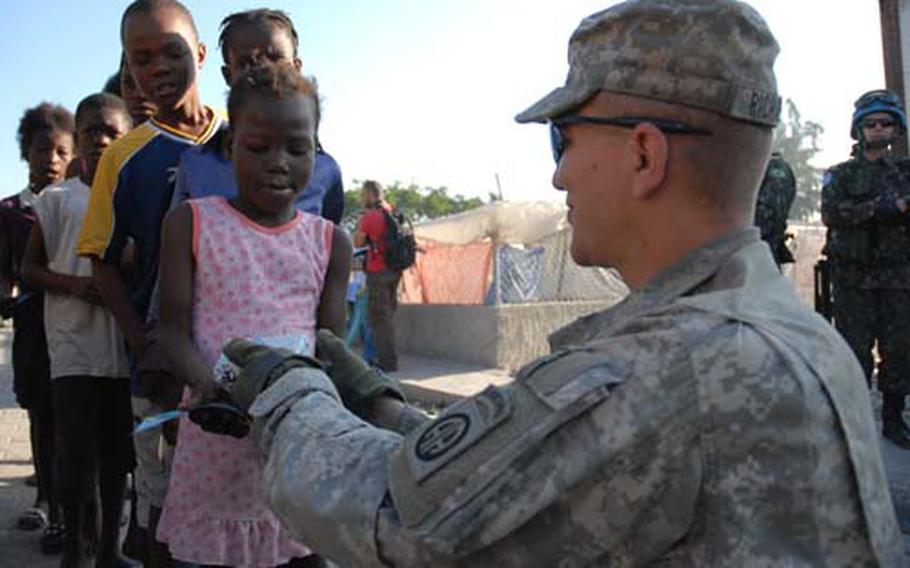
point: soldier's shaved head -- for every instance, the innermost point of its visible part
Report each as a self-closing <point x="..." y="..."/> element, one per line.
<point x="728" y="165"/>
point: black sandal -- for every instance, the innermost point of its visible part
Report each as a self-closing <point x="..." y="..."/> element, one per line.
<point x="52" y="539"/>
<point x="32" y="520"/>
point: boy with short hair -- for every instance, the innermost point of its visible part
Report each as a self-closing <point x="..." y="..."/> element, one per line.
<point x="112" y="85"/>
<point x="122" y="84"/>
<point x="257" y="38"/>
<point x="141" y="108"/>
<point x="131" y="192"/>
<point x="46" y="142"/>
<point x="88" y="366"/>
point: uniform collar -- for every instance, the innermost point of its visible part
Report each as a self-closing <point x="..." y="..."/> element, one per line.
<point x="679" y="279"/>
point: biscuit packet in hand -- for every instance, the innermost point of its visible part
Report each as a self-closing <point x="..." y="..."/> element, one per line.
<point x="226" y="372"/>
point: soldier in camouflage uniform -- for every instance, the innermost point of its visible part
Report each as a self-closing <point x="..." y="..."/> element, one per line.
<point x="775" y="197"/>
<point x="865" y="204"/>
<point x="709" y="419"/>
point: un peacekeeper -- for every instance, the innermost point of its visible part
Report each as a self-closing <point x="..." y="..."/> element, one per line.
<point x="864" y="204"/>
<point x="775" y="197"/>
<point x="709" y="419"/>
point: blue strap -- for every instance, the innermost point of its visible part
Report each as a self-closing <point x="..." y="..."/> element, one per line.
<point x="157" y="420"/>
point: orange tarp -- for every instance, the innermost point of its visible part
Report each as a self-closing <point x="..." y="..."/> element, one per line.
<point x="448" y="274"/>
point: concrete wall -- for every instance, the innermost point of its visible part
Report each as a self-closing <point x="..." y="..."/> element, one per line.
<point x="504" y="336"/>
<point x="443" y="331"/>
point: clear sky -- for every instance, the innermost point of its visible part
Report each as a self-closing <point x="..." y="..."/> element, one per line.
<point x="425" y="91"/>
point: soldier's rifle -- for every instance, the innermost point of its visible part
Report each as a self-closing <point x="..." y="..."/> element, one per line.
<point x="824" y="302"/>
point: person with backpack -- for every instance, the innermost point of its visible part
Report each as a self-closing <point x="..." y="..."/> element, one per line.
<point x="391" y="250"/>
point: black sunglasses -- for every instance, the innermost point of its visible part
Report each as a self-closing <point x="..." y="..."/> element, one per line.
<point x="873" y="122"/>
<point x="558" y="141"/>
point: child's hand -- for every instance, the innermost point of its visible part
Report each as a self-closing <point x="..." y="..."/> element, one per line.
<point x="136" y="341"/>
<point x="169" y="431"/>
<point x="208" y="391"/>
<point x="84" y="288"/>
<point x="161" y="388"/>
<point x="212" y="409"/>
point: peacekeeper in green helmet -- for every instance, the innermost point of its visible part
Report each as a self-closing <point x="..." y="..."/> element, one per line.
<point x="865" y="204"/>
<point x="709" y="419"/>
<point x="772" y="209"/>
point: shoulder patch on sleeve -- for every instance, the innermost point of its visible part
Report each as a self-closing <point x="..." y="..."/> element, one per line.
<point x="458" y="428"/>
<point x="445" y="463"/>
<point x="448" y="464"/>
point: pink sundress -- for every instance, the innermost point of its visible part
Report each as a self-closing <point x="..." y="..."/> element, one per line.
<point x="250" y="281"/>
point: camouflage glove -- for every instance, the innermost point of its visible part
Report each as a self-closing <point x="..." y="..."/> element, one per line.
<point x="358" y="384"/>
<point x="260" y="367"/>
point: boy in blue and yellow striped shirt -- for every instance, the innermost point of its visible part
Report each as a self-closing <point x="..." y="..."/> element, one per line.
<point x="131" y="193"/>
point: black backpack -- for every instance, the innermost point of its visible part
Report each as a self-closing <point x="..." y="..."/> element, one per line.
<point x="400" y="244"/>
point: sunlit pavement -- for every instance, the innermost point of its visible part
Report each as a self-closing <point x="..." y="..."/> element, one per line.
<point x="18" y="549"/>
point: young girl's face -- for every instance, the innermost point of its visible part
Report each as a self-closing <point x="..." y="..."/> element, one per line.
<point x="272" y="149"/>
<point x="258" y="45"/>
<point x="49" y="154"/>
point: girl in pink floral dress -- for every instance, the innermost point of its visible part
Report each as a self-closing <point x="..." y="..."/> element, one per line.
<point x="253" y="267"/>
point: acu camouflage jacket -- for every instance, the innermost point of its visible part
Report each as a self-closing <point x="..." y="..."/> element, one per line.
<point x="710" y="419"/>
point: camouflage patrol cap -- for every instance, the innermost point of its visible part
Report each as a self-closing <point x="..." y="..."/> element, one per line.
<point x="716" y="55"/>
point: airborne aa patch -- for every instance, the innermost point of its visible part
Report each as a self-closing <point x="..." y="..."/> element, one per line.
<point x="457" y="429"/>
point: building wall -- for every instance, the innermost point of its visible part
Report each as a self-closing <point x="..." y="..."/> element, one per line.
<point x="445" y="331"/>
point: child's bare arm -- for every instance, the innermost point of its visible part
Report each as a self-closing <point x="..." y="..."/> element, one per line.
<point x="35" y="270"/>
<point x="113" y="291"/>
<point x="176" y="303"/>
<point x="6" y="264"/>
<point x="333" y="303"/>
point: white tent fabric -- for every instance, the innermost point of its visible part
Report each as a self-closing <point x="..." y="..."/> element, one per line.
<point x="530" y="260"/>
<point x="502" y="222"/>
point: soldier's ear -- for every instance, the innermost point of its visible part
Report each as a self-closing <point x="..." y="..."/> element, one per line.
<point x="651" y="151"/>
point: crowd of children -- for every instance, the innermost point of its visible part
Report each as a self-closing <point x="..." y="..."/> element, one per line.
<point x="125" y="250"/>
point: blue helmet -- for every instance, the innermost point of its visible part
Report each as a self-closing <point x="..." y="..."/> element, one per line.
<point x="880" y="100"/>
